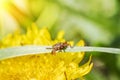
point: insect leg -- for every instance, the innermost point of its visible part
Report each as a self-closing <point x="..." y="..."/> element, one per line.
<point x="60" y="51"/>
<point x="64" y="50"/>
<point x="53" y="52"/>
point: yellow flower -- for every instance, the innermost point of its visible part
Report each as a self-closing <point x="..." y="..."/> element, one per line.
<point x="62" y="66"/>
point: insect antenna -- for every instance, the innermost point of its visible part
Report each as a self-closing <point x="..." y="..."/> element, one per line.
<point x="49" y="48"/>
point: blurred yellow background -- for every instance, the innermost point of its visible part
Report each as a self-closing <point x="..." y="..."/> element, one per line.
<point x="95" y="21"/>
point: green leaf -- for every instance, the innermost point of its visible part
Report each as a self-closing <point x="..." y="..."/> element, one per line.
<point x="27" y="50"/>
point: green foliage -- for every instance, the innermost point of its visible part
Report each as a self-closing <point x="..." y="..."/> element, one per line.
<point x="95" y="21"/>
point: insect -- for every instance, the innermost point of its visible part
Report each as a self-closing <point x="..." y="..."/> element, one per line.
<point x="59" y="47"/>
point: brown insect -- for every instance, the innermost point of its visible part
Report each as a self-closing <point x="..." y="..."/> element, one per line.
<point x="59" y="47"/>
